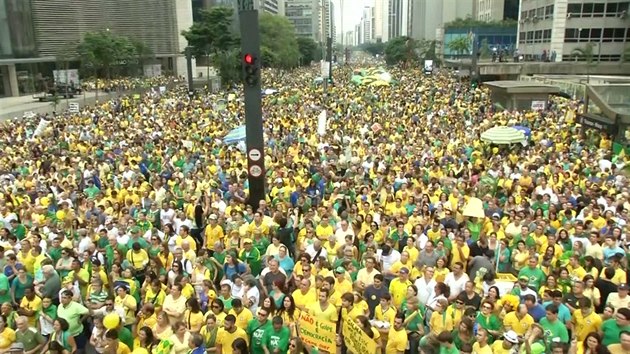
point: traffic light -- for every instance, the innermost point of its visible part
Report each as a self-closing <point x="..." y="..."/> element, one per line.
<point x="250" y="66"/>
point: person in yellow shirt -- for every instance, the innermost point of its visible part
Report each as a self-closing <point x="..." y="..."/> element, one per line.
<point x="213" y="232"/>
<point x="398" y="287"/>
<point x="482" y="346"/>
<point x="113" y="345"/>
<point x="25" y="257"/>
<point x="348" y="310"/>
<point x="30" y="306"/>
<point x="342" y="284"/>
<point x="324" y="230"/>
<point x="304" y="296"/>
<point x="585" y="320"/>
<point x="518" y="321"/>
<point x="460" y="252"/>
<point x="323" y="309"/>
<point x="242" y="314"/>
<point x="397" y="339"/>
<point x="228" y="334"/>
<point x="193" y="317"/>
<point x="507" y="345"/>
<point x="137" y="257"/>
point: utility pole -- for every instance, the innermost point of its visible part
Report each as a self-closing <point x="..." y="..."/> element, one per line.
<point x="251" y="61"/>
<point x="189" y="73"/>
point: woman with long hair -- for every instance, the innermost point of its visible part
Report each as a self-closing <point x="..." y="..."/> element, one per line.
<point x="289" y="313"/>
<point x="176" y="271"/>
<point x="217" y="308"/>
<point x="145" y="339"/>
<point x="180" y="338"/>
<point x="592" y="344"/>
<point x="165" y="256"/>
<point x="268" y="304"/>
<point x="209" y="333"/>
<point x="296" y="346"/>
<point x="239" y="346"/>
<point x="278" y="292"/>
<point x="162" y="328"/>
<point x="60" y="335"/>
<point x="193" y="317"/>
<point x="97" y="339"/>
<point x="464" y="333"/>
<point x="366" y="326"/>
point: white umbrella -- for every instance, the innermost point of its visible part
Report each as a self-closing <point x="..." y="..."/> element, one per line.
<point x="501" y="135"/>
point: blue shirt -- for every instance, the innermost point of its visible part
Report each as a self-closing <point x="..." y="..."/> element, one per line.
<point x="199" y="350"/>
<point x="564" y="314"/>
<point x="537" y="312"/>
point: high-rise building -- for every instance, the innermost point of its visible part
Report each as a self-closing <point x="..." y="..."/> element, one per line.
<point x="329" y="28"/>
<point x="367" y="30"/>
<point x="398" y="18"/>
<point x="381" y="20"/>
<point x="429" y="16"/>
<point x="495" y="10"/>
<point x="305" y="16"/>
<point x="37" y="31"/>
<point x="558" y="27"/>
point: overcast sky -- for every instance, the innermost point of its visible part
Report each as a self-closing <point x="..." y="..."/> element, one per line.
<point x="352" y="11"/>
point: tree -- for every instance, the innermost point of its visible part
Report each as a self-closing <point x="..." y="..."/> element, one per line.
<point x="400" y="49"/>
<point x="228" y="63"/>
<point x="587" y="54"/>
<point x="143" y="54"/>
<point x="103" y="50"/>
<point x="460" y="45"/>
<point x="309" y="50"/>
<point x="375" y="48"/>
<point x="277" y="36"/>
<point x="213" y="33"/>
<point x="469" y="22"/>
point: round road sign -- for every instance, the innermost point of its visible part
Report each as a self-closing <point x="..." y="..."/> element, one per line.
<point x="255" y="171"/>
<point x="254" y="154"/>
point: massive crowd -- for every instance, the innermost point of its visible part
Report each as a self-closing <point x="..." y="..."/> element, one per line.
<point x="126" y="227"/>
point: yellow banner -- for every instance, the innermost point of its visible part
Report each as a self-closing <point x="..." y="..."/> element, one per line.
<point x="317" y="333"/>
<point x="357" y="341"/>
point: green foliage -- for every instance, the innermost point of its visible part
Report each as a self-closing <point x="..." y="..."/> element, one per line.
<point x="54" y="101"/>
<point x="105" y="49"/>
<point x="228" y="64"/>
<point x="468" y="22"/>
<point x="401" y="49"/>
<point x="484" y="50"/>
<point x="309" y="50"/>
<point x="460" y="45"/>
<point x="373" y="48"/>
<point x="213" y="33"/>
<point x="277" y="36"/>
<point x="586" y="53"/>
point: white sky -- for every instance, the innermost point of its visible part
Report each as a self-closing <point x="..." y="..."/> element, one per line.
<point x="352" y="11"/>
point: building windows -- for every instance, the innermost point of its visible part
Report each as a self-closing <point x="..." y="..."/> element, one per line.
<point x="549" y="11"/>
<point x="521" y="37"/>
<point x="582" y="35"/>
<point x="546" y="36"/>
<point x="589" y="9"/>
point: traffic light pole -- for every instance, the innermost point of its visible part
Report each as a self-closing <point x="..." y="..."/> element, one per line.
<point x="250" y="47"/>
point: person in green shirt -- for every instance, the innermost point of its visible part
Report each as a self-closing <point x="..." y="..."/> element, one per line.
<point x="251" y="256"/>
<point x="535" y="275"/>
<point x="5" y="289"/>
<point x="19" y="230"/>
<point x="611" y="328"/>
<point x="276" y="338"/>
<point x="554" y="329"/>
<point x="256" y="330"/>
<point x="445" y="338"/>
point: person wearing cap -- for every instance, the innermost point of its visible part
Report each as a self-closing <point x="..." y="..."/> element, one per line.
<point x="398" y="287"/>
<point x="213" y="232"/>
<point x="507" y="345"/>
<point x="251" y="256"/>
<point x="342" y="284"/>
<point x="522" y="288"/>
<point x="620" y="299"/>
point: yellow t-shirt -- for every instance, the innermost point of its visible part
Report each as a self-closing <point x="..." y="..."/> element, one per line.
<point x="35" y="305"/>
<point x="497" y="348"/>
<point x="396" y="342"/>
<point x="156" y="299"/>
<point x="138" y="260"/>
<point x="388" y="315"/>
<point x="225" y="339"/>
<point x="583" y="325"/>
<point x="243" y="318"/>
<point x="7" y="338"/>
<point x="517" y="325"/>
<point x="479" y="350"/>
<point x="123" y="348"/>
<point x="193" y="320"/>
<point x="398" y="290"/>
<point x="329" y="314"/>
<point x="304" y="300"/>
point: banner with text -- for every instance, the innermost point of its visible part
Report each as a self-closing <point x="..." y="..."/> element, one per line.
<point x="358" y="342"/>
<point x="318" y="333"/>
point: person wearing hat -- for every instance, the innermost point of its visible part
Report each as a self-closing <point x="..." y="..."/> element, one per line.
<point x="251" y="256"/>
<point x="620" y="299"/>
<point x="521" y="289"/>
<point x="507" y="345"/>
<point x="213" y="232"/>
<point x="398" y="287"/>
<point x="342" y="284"/>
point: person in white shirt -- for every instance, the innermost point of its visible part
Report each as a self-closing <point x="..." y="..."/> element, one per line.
<point x="425" y="285"/>
<point x="456" y="280"/>
<point x="342" y="231"/>
<point x="315" y="250"/>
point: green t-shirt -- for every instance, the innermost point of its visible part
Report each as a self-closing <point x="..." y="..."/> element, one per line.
<point x="6" y="288"/>
<point x="30" y="338"/>
<point x="611" y="331"/>
<point x="273" y="339"/>
<point x="536" y="276"/>
<point x="125" y="336"/>
<point x="554" y="330"/>
<point x="452" y="350"/>
<point x="256" y="333"/>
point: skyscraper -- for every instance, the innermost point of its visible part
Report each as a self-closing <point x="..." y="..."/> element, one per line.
<point x="305" y="16"/>
<point x="429" y="16"/>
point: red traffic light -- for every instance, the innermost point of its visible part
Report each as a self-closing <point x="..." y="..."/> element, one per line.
<point x="249" y="59"/>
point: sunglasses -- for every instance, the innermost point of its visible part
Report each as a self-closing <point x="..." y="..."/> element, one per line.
<point x="216" y="307"/>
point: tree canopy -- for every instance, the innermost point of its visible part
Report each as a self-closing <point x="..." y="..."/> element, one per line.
<point x="405" y="49"/>
<point x="373" y="48"/>
<point x="213" y="33"/>
<point x="277" y="36"/>
<point x="469" y="22"/>
<point x="103" y="50"/>
<point x="309" y="50"/>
